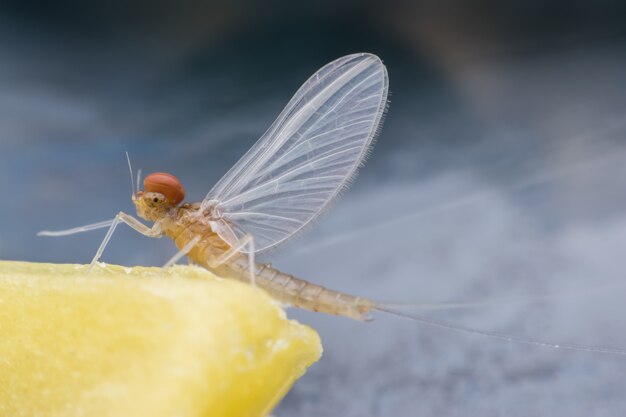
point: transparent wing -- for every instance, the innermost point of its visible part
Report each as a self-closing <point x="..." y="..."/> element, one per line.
<point x="305" y="158"/>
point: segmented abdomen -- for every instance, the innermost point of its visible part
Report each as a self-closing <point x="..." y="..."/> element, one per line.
<point x="283" y="287"/>
<point x="300" y="293"/>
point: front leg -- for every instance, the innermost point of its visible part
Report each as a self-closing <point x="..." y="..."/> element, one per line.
<point x="154" y="231"/>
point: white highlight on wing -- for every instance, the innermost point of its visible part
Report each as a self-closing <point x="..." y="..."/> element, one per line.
<point x="305" y="158"/>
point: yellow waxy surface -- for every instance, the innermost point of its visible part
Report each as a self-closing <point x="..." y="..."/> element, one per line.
<point x="143" y="342"/>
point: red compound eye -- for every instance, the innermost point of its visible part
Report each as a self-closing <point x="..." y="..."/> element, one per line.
<point x="166" y="184"/>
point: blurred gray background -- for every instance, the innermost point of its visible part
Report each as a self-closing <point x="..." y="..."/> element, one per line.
<point x="500" y="173"/>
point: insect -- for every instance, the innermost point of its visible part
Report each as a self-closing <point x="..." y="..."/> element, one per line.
<point x="276" y="189"/>
<point x="297" y="167"/>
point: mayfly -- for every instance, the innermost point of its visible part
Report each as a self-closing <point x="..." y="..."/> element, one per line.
<point x="289" y="176"/>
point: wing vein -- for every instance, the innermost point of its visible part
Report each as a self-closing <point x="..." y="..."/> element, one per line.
<point x="306" y="157"/>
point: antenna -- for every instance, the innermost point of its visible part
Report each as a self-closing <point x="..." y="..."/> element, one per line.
<point x="132" y="180"/>
<point x="138" y="179"/>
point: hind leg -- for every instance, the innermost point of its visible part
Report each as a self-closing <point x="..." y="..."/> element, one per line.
<point x="247" y="242"/>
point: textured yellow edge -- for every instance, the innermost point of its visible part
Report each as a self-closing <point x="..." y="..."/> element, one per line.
<point x="143" y="342"/>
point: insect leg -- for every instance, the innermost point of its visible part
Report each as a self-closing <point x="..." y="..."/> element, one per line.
<point x="79" y="229"/>
<point x="154" y="231"/>
<point x="246" y="242"/>
<point x="184" y="251"/>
